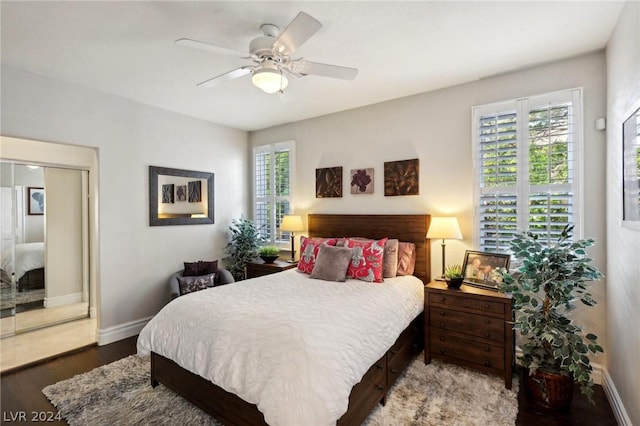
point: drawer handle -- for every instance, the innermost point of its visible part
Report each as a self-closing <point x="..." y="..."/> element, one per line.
<point x="442" y="298"/>
<point x="487" y="306"/>
<point x="487" y="335"/>
<point x="394" y="351"/>
<point x="442" y="338"/>
<point x="487" y="363"/>
<point x="379" y="366"/>
<point x="441" y="325"/>
<point x="442" y="313"/>
<point x="487" y="349"/>
<point x="415" y="345"/>
<point x="442" y="351"/>
<point x="394" y="371"/>
<point x="380" y="388"/>
<point x="487" y="321"/>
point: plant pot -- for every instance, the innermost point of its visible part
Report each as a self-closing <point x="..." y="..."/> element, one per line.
<point x="550" y="391"/>
<point x="454" y="282"/>
<point x="269" y="259"/>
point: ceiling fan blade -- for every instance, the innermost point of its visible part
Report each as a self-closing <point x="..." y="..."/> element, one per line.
<point x="211" y="48"/>
<point x="296" y="34"/>
<point x="324" y="70"/>
<point x="238" y="72"/>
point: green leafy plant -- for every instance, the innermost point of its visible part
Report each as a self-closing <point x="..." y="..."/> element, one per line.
<point x="269" y="251"/>
<point x="243" y="247"/>
<point x="453" y="271"/>
<point x="552" y="277"/>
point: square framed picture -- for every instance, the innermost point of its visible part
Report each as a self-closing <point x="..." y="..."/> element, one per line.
<point x="36" y="201"/>
<point x="362" y="181"/>
<point x="482" y="268"/>
<point x="329" y="182"/>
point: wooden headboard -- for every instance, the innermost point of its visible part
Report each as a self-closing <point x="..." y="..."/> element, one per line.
<point x="409" y="227"/>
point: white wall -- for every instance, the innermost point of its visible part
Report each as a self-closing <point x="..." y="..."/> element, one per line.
<point x="436" y="128"/>
<point x="135" y="259"/>
<point x="623" y="245"/>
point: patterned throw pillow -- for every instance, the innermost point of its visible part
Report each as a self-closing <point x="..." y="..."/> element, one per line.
<point x="366" y="259"/>
<point x="191" y="284"/>
<point x="309" y="251"/>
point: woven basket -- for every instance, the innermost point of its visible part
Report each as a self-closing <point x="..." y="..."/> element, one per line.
<point x="550" y="391"/>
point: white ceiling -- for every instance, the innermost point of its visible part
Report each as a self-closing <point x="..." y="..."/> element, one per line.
<point x="400" y="48"/>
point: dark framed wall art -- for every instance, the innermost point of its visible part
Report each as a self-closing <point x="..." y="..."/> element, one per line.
<point x="402" y="177"/>
<point x="631" y="169"/>
<point x="180" y="197"/>
<point x="35" y="200"/>
<point x="329" y="182"/>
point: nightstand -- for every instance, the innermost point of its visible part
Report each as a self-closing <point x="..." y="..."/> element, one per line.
<point x="257" y="267"/>
<point x="469" y="326"/>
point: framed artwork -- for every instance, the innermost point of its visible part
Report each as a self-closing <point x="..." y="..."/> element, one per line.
<point x="195" y="191"/>
<point x="482" y="268"/>
<point x="402" y="177"/>
<point x="167" y="193"/>
<point x="181" y="193"/>
<point x="188" y="184"/>
<point x="329" y="182"/>
<point x="362" y="181"/>
<point x="35" y="201"/>
<point x="631" y="169"/>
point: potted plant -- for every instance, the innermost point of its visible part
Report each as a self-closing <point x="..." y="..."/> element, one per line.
<point x="544" y="289"/>
<point x="453" y="276"/>
<point x="269" y="253"/>
<point x="243" y="247"/>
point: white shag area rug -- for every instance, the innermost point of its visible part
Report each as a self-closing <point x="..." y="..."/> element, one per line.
<point x="435" y="394"/>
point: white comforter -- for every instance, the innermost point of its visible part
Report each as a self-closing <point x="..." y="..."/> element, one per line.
<point x="28" y="256"/>
<point x="292" y="345"/>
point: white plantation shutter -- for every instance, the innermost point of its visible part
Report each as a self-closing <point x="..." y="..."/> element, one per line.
<point x="526" y="162"/>
<point x="272" y="189"/>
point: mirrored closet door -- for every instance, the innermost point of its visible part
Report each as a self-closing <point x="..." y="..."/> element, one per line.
<point x="44" y="236"/>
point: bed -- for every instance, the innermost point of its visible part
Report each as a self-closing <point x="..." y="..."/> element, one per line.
<point x="29" y="265"/>
<point x="352" y="369"/>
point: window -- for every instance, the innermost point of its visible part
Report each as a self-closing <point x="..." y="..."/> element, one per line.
<point x="527" y="167"/>
<point x="273" y="171"/>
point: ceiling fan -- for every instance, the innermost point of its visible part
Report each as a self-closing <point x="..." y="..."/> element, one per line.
<point x="271" y="54"/>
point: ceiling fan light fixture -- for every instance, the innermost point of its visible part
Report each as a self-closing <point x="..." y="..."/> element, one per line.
<point x="269" y="80"/>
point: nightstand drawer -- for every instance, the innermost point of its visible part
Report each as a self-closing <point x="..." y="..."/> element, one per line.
<point x="476" y="325"/>
<point x="449" y="345"/>
<point x="469" y="303"/>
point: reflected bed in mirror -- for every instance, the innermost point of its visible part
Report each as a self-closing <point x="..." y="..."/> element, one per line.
<point x="180" y="197"/>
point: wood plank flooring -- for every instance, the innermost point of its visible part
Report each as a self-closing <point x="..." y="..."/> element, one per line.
<point x="21" y="391"/>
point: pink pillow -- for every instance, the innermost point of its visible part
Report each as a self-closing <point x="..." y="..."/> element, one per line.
<point x="309" y="251"/>
<point x="366" y="259"/>
<point x="406" y="258"/>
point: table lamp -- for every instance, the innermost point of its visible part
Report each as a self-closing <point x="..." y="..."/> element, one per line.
<point x="445" y="228"/>
<point x="292" y="224"/>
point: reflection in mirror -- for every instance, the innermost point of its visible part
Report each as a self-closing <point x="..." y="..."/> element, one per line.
<point x="631" y="170"/>
<point x="50" y="283"/>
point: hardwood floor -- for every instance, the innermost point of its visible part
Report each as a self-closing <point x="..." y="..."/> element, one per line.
<point x="21" y="391"/>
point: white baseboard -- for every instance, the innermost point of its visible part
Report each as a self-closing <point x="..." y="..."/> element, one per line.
<point x="614" y="399"/>
<point x="122" y="331"/>
<point x="67" y="299"/>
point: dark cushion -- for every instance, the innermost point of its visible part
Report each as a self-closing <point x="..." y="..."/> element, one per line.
<point x="191" y="284"/>
<point x="331" y="263"/>
<point x="195" y="269"/>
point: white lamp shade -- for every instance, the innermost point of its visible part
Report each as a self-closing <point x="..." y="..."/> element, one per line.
<point x="270" y="81"/>
<point x="291" y="223"/>
<point x="445" y="228"/>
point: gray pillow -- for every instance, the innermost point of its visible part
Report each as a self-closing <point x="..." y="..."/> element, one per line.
<point x="331" y="263"/>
